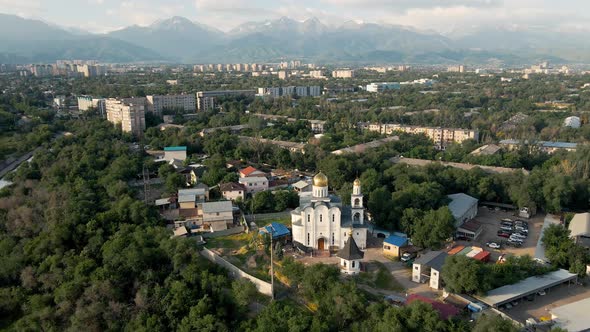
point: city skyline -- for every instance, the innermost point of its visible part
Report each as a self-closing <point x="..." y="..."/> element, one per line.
<point x="442" y="16"/>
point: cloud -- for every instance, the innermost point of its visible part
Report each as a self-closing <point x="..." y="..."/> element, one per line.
<point x="404" y="5"/>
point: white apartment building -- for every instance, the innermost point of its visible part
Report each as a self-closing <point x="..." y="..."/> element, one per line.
<point x="301" y="91"/>
<point x="131" y="116"/>
<point x="206" y="99"/>
<point x="316" y="74"/>
<point x="442" y="137"/>
<point x="85" y="103"/>
<point x="158" y="103"/>
<point x="382" y="86"/>
<point x="343" y="73"/>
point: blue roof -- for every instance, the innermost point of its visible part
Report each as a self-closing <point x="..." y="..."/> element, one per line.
<point x="277" y="229"/>
<point x="395" y="240"/>
<point x="175" y="148"/>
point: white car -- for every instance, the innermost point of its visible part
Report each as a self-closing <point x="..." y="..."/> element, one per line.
<point x="518" y="235"/>
<point x="493" y="245"/>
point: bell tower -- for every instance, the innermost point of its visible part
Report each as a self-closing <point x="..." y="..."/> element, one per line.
<point x="356" y="202"/>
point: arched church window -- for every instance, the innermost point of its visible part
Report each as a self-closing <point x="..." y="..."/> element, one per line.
<point x="357" y="217"/>
<point x="357" y="202"/>
<point x="321" y="217"/>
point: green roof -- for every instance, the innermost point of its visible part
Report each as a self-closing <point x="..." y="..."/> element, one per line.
<point x="175" y="148"/>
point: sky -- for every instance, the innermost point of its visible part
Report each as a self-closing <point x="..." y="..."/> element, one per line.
<point x="443" y="16"/>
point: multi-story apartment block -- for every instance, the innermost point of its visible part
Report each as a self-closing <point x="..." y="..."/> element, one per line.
<point x="456" y="69"/>
<point x="380" y="87"/>
<point x="442" y="137"/>
<point x="302" y="91"/>
<point x="185" y="102"/>
<point x="343" y="73"/>
<point x="87" y="102"/>
<point x="130" y="115"/>
<point x="316" y="74"/>
<point x="206" y="99"/>
<point x="283" y="75"/>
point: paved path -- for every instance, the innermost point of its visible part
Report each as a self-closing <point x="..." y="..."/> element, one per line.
<point x="540" y="250"/>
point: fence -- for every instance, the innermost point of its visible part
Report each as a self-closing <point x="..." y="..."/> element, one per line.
<point x="225" y="232"/>
<point x="268" y="216"/>
<point x="262" y="286"/>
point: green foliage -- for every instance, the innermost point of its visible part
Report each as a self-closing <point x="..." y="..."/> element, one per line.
<point x="433" y="229"/>
<point x="491" y="322"/>
<point x="563" y="252"/>
<point x="461" y="274"/>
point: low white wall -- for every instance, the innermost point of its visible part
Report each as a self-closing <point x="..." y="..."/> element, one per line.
<point x="262" y="286"/>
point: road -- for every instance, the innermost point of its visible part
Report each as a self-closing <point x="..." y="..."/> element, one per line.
<point x="10" y="167"/>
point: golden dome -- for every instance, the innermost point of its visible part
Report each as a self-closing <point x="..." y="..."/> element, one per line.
<point x="357" y="182"/>
<point x="320" y="180"/>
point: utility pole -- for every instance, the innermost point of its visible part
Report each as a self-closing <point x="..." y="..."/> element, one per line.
<point x="272" y="274"/>
<point x="146" y="184"/>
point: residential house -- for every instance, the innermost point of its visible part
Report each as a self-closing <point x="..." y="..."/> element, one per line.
<point x="231" y="191"/>
<point x="217" y="215"/>
<point x="302" y="186"/>
<point x="188" y="200"/>
<point x="392" y="245"/>
<point x="175" y="152"/>
<point x="251" y="172"/>
<point x="428" y="267"/>
<point x="254" y="184"/>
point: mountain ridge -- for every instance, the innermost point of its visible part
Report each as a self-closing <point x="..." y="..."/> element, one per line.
<point x="178" y="39"/>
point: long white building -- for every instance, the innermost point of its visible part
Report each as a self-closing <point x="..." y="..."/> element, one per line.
<point x="185" y="102"/>
<point x="301" y="91"/>
<point x="442" y="137"/>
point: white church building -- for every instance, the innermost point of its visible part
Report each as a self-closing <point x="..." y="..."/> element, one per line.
<point x="321" y="221"/>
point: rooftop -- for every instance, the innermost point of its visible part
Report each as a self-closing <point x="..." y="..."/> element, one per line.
<point x="276" y="229"/>
<point x="580" y="225"/>
<point x="573" y="316"/>
<point x="460" y="204"/>
<point x="395" y="240"/>
<point x="221" y="206"/>
<point x="231" y="186"/>
<point x="530" y="285"/>
<point x="248" y="170"/>
<point x="350" y="251"/>
<point x="444" y="310"/>
<point x="434" y="259"/>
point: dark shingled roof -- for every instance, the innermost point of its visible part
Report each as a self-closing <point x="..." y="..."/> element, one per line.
<point x="350" y="251"/>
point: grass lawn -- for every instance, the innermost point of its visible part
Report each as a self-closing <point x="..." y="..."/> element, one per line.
<point x="263" y="222"/>
<point x="235" y="241"/>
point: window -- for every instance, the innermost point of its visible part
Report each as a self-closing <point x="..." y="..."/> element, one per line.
<point x="344" y="234"/>
<point x="217" y="213"/>
<point x="308" y="217"/>
<point x="321" y="217"/>
<point x="333" y="217"/>
<point x="332" y="238"/>
<point x="387" y="247"/>
<point x="308" y="239"/>
<point x="357" y="233"/>
<point x="434" y="273"/>
<point x="344" y="263"/>
<point x="353" y="264"/>
<point x="416" y="268"/>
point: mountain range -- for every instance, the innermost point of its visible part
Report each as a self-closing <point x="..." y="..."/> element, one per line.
<point x="180" y="40"/>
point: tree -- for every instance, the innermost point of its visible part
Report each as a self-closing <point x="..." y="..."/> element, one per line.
<point x="491" y="322"/>
<point x="434" y="229"/>
<point x="461" y="274"/>
<point x="244" y="291"/>
<point x="174" y="181"/>
<point x="263" y="201"/>
<point x="285" y="199"/>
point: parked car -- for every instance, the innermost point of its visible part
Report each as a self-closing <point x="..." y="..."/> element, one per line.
<point x="542" y="293"/>
<point x="515" y="244"/>
<point x="507" y="220"/>
<point x="518" y="235"/>
<point x="493" y="245"/>
<point x="504" y="234"/>
<point x="521" y="229"/>
<point x="503" y="223"/>
<point x="506" y="228"/>
<point x="406" y="257"/>
<point x="508" y="306"/>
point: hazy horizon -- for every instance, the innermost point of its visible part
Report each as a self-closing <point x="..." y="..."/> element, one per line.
<point x="442" y="16"/>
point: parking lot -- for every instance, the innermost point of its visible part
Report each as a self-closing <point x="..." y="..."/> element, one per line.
<point x="541" y="306"/>
<point x="490" y="220"/>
